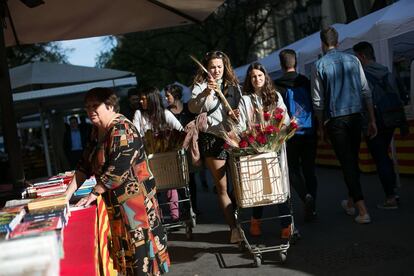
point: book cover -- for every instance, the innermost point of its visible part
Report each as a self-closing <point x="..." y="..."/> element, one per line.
<point x="36" y="227"/>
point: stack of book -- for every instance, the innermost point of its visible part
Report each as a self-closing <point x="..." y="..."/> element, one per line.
<point x="46" y="188"/>
<point x="37" y="255"/>
<point x="46" y="202"/>
<point x="86" y="187"/>
<point x="10" y="217"/>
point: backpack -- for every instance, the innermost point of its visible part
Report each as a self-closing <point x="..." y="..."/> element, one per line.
<point x="388" y="107"/>
<point x="299" y="104"/>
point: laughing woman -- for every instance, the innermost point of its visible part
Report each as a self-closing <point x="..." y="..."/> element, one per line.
<point x="115" y="156"/>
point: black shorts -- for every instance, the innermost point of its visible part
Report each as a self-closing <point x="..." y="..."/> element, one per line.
<point x="211" y="146"/>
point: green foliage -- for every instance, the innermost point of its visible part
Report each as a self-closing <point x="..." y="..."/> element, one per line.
<point x="47" y="52"/>
<point x="159" y="57"/>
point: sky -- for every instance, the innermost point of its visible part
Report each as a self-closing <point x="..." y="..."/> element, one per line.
<point x="85" y="50"/>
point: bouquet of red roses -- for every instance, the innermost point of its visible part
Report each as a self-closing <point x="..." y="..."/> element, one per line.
<point x="266" y="136"/>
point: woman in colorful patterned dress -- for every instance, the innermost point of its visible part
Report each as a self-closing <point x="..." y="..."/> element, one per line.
<point x="116" y="156"/>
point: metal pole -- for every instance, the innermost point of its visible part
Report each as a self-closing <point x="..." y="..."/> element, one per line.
<point x="45" y="143"/>
<point x="11" y="139"/>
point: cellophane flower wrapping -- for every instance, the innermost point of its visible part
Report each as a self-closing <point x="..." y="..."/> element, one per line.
<point x="268" y="135"/>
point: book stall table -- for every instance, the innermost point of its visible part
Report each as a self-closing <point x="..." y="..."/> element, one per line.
<point x="86" y="241"/>
<point x="76" y="237"/>
<point x="80" y="244"/>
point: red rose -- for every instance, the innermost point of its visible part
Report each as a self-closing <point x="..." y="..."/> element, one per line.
<point x="226" y="146"/>
<point x="278" y="116"/>
<point x="276" y="130"/>
<point x="266" y="116"/>
<point x="261" y="139"/>
<point x="269" y="129"/>
<point x="243" y="144"/>
<point x="279" y="110"/>
<point x="258" y="127"/>
<point x="250" y="139"/>
<point x="294" y="125"/>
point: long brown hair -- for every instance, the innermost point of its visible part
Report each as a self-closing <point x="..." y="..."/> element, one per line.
<point x="268" y="90"/>
<point x="229" y="77"/>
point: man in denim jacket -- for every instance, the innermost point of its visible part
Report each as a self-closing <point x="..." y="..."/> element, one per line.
<point x="339" y="91"/>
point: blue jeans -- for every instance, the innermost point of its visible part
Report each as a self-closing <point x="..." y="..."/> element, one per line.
<point x="378" y="147"/>
<point x="345" y="135"/>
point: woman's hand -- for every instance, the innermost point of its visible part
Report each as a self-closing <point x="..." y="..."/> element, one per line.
<point x="211" y="84"/>
<point x="235" y="115"/>
<point x="86" y="201"/>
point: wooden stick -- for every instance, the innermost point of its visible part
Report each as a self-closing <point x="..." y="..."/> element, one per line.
<point x="218" y="90"/>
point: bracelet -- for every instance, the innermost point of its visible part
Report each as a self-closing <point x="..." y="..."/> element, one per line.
<point x="95" y="193"/>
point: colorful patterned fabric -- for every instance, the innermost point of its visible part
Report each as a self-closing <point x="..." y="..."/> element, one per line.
<point x="119" y="162"/>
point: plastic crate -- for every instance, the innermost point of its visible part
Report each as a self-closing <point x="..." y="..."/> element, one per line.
<point x="260" y="179"/>
<point x="170" y="169"/>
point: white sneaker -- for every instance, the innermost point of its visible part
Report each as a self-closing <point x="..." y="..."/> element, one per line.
<point x="363" y="219"/>
<point x="348" y="210"/>
<point x="235" y="236"/>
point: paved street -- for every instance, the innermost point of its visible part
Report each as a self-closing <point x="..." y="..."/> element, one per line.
<point x="332" y="245"/>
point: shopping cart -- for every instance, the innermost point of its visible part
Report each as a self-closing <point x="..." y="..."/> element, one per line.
<point x="170" y="170"/>
<point x="261" y="180"/>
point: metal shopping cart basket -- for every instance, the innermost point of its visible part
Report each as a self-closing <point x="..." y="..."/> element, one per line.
<point x="170" y="170"/>
<point x="261" y="180"/>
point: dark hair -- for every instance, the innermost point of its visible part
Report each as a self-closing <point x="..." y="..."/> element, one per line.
<point x="103" y="95"/>
<point x="329" y="36"/>
<point x="133" y="92"/>
<point x="269" y="95"/>
<point x="287" y="59"/>
<point x="155" y="110"/>
<point x="175" y="90"/>
<point x="73" y="118"/>
<point x="229" y="77"/>
<point x="366" y="49"/>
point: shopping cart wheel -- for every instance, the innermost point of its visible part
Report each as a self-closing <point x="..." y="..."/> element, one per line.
<point x="295" y="236"/>
<point x="257" y="260"/>
<point x="283" y="256"/>
<point x="189" y="232"/>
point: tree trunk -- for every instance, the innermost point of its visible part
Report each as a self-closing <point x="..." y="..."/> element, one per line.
<point x="350" y="10"/>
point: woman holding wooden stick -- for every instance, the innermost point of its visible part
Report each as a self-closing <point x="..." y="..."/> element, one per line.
<point x="218" y="77"/>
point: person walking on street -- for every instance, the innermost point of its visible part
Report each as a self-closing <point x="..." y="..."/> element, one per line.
<point x="301" y="148"/>
<point x="211" y="144"/>
<point x="259" y="94"/>
<point x="339" y="91"/>
<point x="385" y="94"/>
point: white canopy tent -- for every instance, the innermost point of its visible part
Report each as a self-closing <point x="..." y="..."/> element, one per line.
<point x="389" y="29"/>
<point x="62" y="19"/>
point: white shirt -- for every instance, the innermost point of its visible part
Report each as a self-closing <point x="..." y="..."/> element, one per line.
<point x="246" y="109"/>
<point x="143" y="124"/>
<point x="218" y="120"/>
